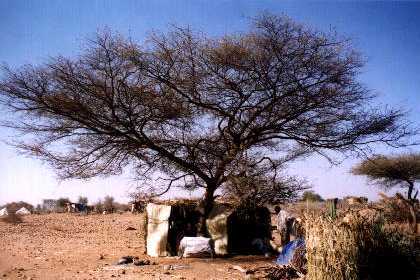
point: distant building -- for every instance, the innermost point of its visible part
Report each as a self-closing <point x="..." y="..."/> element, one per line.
<point x="49" y="204"/>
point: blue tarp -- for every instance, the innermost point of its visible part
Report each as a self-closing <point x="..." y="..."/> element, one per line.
<point x="286" y="254"/>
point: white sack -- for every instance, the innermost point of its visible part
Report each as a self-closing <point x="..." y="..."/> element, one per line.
<point x="195" y="247"/>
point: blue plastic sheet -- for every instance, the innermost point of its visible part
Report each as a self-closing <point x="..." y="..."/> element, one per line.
<point x="286" y="254"/>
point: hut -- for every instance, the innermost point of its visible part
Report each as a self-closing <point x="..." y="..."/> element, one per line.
<point x="231" y="229"/>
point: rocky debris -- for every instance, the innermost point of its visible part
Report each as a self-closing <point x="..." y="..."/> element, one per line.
<point x="239" y="268"/>
<point x="167" y="267"/>
<point x="135" y="261"/>
<point x="275" y="272"/>
<point x="141" y="262"/>
<point x="126" y="260"/>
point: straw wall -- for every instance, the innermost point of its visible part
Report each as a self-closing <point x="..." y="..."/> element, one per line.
<point x="357" y="247"/>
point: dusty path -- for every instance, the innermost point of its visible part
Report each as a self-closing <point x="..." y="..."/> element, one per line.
<point x="70" y="246"/>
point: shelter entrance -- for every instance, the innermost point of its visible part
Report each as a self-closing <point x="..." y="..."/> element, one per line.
<point x="183" y="222"/>
<point x="246" y="228"/>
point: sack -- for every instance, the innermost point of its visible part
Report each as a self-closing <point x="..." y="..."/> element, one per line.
<point x="195" y="247"/>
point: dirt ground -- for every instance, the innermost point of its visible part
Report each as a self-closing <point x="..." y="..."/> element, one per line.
<point x="73" y="246"/>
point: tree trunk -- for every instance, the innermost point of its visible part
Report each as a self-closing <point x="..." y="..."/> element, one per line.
<point x="207" y="206"/>
<point x="410" y="190"/>
<point x="412" y="206"/>
<point x="413" y="216"/>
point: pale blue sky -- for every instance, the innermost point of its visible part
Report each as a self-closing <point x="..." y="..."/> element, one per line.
<point x="387" y="33"/>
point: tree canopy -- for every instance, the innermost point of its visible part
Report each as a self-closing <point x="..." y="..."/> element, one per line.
<point x="82" y="200"/>
<point x="62" y="202"/>
<point x="311" y="196"/>
<point x="391" y="171"/>
<point x="185" y="109"/>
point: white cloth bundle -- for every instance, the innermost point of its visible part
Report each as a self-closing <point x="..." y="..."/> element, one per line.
<point x="195" y="247"/>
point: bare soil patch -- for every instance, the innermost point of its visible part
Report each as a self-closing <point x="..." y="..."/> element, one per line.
<point x="71" y="246"/>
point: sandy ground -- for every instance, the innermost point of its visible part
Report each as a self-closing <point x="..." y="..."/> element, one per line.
<point x="72" y="246"/>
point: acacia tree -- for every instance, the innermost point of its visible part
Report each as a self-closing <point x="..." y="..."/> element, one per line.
<point x="392" y="171"/>
<point x="82" y="200"/>
<point x="62" y="202"/>
<point x="185" y="108"/>
<point x="311" y="196"/>
<point x="109" y="203"/>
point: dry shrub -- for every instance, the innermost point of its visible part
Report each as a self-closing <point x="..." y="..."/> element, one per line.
<point x="299" y="209"/>
<point x="331" y="250"/>
<point x="362" y="248"/>
<point x="12" y="218"/>
<point x="299" y="261"/>
<point x="397" y="208"/>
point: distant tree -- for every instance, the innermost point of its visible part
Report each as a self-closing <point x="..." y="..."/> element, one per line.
<point x="62" y="201"/>
<point x="82" y="200"/>
<point x="188" y="106"/>
<point x="99" y="206"/>
<point x="38" y="208"/>
<point x="311" y="196"/>
<point x="121" y="207"/>
<point x="392" y="171"/>
<point x="109" y="204"/>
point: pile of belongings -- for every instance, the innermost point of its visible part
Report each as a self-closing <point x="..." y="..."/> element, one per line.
<point x="195" y="247"/>
<point x="23" y="211"/>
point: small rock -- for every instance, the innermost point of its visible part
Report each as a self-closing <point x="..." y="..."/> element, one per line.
<point x="141" y="262"/>
<point x="125" y="260"/>
<point x="167" y="267"/>
<point x="130" y="228"/>
<point x="101" y="256"/>
<point x="123" y="271"/>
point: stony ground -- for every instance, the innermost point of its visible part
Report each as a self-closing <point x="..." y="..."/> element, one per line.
<point x="72" y="246"/>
